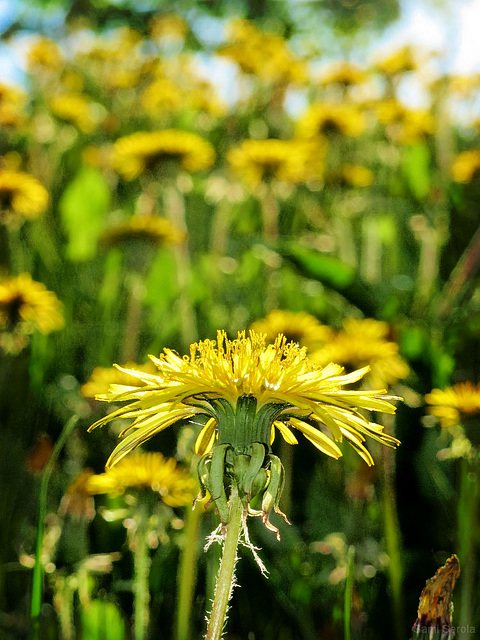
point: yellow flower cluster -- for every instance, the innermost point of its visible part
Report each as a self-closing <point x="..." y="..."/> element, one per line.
<point x="21" y="196"/>
<point x="264" y="55"/>
<point x="142" y="471"/>
<point x="134" y="154"/>
<point x="292" y="161"/>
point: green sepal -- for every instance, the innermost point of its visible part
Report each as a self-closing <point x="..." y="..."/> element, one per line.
<point x="216" y="481"/>
<point x="257" y="458"/>
<point x="264" y="419"/>
<point x="202" y="475"/>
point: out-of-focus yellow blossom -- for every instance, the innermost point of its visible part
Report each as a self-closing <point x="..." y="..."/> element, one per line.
<point x="357" y="176"/>
<point x="454" y="404"/>
<point x="76" y="109"/>
<point x="162" y="96"/>
<point x="72" y="81"/>
<point x="265" y="55"/>
<point x="21" y="196"/>
<point x="466" y="165"/>
<point x="464" y="85"/>
<point x="159" y="231"/>
<point x="12" y="106"/>
<point x="405" y="126"/>
<point x="293" y="161"/>
<point x="170" y="26"/>
<point x="142" y="471"/>
<point x="365" y="343"/>
<point x="102" y="377"/>
<point x="342" y="72"/>
<point x="327" y="119"/>
<point x="400" y="61"/>
<point x="299" y="327"/>
<point x="97" y="156"/>
<point x="134" y="154"/>
<point x="43" y="55"/>
<point x="26" y="306"/>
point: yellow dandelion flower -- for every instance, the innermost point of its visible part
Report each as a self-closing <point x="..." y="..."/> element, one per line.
<point x="77" y="109"/>
<point x="44" y="54"/>
<point x="21" y="196"/>
<point x="286" y="391"/>
<point x="135" y="153"/>
<point x="169" y="25"/>
<point x="265" y="55"/>
<point x="102" y="377"/>
<point x="162" y="96"/>
<point x="142" y="471"/>
<point x="26" y="306"/>
<point x="357" y="176"/>
<point x="400" y="61"/>
<point x="466" y="165"/>
<point x="293" y="161"/>
<point x="159" y="231"/>
<point x="454" y="405"/>
<point x="344" y="73"/>
<point x="365" y="343"/>
<point x="12" y="106"/>
<point x="404" y="125"/>
<point x="299" y="327"/>
<point x="327" y="119"/>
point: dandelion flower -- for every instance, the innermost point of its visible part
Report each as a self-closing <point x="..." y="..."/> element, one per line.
<point x="134" y="154"/>
<point x="454" y="404"/>
<point x="330" y="119"/>
<point x="154" y="229"/>
<point x="343" y="73"/>
<point x="466" y="165"/>
<point x="299" y="327"/>
<point x="142" y="471"/>
<point x="21" y="196"/>
<point x="26" y="306"/>
<point x="76" y="109"/>
<point x="364" y="343"/>
<point x="292" y="161"/>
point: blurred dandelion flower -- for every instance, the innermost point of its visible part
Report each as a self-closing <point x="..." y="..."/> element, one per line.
<point x="170" y="26"/>
<point x="466" y="165"/>
<point x="364" y="343"/>
<point x="141" y="471"/>
<point x="154" y="229"/>
<point x="163" y="96"/>
<point x="44" y="55"/>
<point x="292" y="161"/>
<point x="76" y="109"/>
<point x="21" y="196"/>
<point x="454" y="404"/>
<point x="405" y="126"/>
<point x="134" y="154"/>
<point x="329" y="119"/>
<point x="12" y="106"/>
<point x="26" y="306"/>
<point x="102" y="377"/>
<point x="299" y="327"/>
<point x="357" y="176"/>
<point x="400" y="61"/>
<point x="343" y="73"/>
<point x="265" y="55"/>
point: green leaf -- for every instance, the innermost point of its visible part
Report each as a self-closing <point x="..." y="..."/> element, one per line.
<point x="102" y="620"/>
<point x="416" y="169"/>
<point x="83" y="206"/>
<point x="336" y="275"/>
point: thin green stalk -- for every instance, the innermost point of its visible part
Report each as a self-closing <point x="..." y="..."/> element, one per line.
<point x="141" y="564"/>
<point x="187" y="573"/>
<point x="37" y="580"/>
<point x="347" y="602"/>
<point x="225" y="579"/>
<point x="467" y="516"/>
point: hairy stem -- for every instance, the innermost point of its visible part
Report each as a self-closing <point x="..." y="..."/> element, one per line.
<point x="224" y="586"/>
<point x="187" y="573"/>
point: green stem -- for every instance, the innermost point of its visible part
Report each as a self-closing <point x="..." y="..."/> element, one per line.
<point x="141" y="564"/>
<point x="187" y="572"/>
<point x="224" y="587"/>
<point x="347" y="602"/>
<point x="467" y="531"/>
<point x="37" y="581"/>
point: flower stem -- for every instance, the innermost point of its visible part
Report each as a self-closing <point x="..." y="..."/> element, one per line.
<point x="187" y="573"/>
<point x="224" y="586"/>
<point x="37" y="582"/>
<point x="141" y="563"/>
